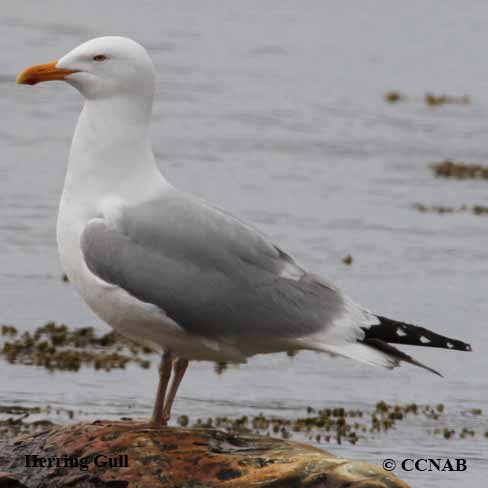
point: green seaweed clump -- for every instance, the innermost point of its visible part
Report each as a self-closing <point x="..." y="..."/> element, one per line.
<point x="8" y="330"/>
<point x="56" y="347"/>
<point x="479" y="210"/>
<point x="461" y="171"/>
<point x="436" y="100"/>
<point x="440" y="209"/>
<point x="394" y="97"/>
<point x="220" y="367"/>
<point x="331" y="424"/>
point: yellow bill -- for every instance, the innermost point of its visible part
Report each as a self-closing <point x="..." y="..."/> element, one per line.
<point x="43" y="72"/>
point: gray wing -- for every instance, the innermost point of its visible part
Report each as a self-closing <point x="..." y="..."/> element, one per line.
<point x="209" y="272"/>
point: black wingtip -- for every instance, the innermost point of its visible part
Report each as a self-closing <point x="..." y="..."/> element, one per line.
<point x="396" y="332"/>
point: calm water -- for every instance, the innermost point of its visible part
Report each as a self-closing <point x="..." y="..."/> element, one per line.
<point x="274" y="110"/>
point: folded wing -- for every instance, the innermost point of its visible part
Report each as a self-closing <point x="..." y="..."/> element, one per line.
<point x="212" y="274"/>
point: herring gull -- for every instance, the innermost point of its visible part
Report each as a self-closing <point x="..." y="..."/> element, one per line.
<point x="172" y="272"/>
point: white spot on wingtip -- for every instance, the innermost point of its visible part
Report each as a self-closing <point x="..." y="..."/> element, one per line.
<point x="400" y="332"/>
<point x="449" y="345"/>
<point x="424" y="340"/>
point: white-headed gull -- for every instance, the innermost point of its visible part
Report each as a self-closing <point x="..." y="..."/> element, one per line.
<point x="173" y="272"/>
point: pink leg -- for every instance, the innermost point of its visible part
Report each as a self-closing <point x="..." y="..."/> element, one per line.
<point x="179" y="369"/>
<point x="164" y="375"/>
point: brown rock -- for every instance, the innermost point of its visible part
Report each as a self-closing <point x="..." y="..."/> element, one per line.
<point x="178" y="457"/>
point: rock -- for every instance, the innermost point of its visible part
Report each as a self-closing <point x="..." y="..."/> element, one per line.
<point x="177" y="457"/>
<point x="7" y="480"/>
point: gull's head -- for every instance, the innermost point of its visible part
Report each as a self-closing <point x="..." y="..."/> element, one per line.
<point x="100" y="68"/>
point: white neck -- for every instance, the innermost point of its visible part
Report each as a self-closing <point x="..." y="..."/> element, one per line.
<point x="111" y="149"/>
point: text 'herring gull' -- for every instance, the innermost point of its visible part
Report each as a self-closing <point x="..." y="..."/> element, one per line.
<point x="170" y="271"/>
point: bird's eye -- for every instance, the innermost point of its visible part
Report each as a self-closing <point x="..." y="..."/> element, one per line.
<point x="99" y="57"/>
